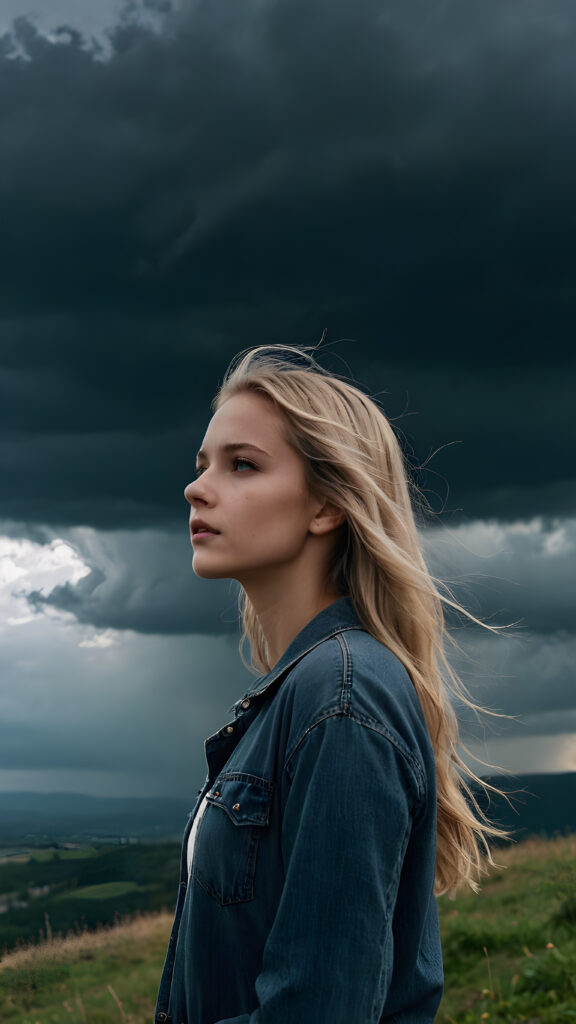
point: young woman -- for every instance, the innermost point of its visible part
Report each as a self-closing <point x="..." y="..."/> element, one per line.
<point x="334" y="809"/>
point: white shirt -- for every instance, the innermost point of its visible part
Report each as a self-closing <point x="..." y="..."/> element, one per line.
<point x="193" y="831"/>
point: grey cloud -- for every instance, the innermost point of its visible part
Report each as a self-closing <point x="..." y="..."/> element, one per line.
<point x="511" y="571"/>
<point x="142" y="580"/>
<point x="553" y="722"/>
<point x="143" y="705"/>
<point x="146" y="703"/>
<point x="532" y="679"/>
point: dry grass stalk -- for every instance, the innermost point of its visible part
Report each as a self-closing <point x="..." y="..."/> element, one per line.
<point x="77" y="946"/>
<point x="80" y="1006"/>
<point x="557" y="848"/>
<point x="117" y="1001"/>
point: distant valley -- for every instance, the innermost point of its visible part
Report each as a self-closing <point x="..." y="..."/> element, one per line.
<point x="39" y="819"/>
<point x="541" y="804"/>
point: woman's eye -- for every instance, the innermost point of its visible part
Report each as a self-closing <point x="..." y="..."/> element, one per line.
<point x="246" y="463"/>
<point x="235" y="462"/>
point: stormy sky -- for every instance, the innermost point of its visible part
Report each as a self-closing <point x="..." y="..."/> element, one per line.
<point x="181" y="181"/>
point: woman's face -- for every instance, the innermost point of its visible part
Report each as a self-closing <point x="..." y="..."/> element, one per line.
<point x="250" y="487"/>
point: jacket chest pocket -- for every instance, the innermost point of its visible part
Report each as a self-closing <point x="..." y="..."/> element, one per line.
<point x="226" y="847"/>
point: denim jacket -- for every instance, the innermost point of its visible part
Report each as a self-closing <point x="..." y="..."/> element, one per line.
<point x="310" y="898"/>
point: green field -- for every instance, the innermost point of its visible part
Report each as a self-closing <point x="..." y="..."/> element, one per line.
<point x="104" y="891"/>
<point x="47" y="855"/>
<point x="56" y="891"/>
<point x="509" y="954"/>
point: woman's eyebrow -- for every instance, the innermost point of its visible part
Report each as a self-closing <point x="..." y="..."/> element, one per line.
<point x="232" y="447"/>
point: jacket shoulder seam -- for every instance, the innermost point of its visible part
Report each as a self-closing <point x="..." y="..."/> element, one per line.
<point x="373" y="723"/>
<point x="346" y="691"/>
<point x="366" y="722"/>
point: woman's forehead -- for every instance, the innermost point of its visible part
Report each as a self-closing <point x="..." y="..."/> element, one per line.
<point x="247" y="419"/>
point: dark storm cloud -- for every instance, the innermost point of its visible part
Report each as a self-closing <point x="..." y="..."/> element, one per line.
<point x="530" y="679"/>
<point x="398" y="172"/>
<point x="432" y="139"/>
<point x="142" y="705"/>
<point x="142" y="580"/>
<point x="489" y="442"/>
<point x="510" y="573"/>
<point x="103" y="478"/>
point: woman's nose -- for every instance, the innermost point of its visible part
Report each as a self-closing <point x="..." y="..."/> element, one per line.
<point x="189" y="492"/>
<point x="195" y="491"/>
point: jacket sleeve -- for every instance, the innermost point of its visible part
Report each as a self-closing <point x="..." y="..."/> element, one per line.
<point x="345" y="829"/>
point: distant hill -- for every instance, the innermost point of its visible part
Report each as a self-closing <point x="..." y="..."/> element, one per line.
<point x="31" y="818"/>
<point x="540" y="804"/>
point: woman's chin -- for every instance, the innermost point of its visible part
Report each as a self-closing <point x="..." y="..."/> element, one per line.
<point x="207" y="572"/>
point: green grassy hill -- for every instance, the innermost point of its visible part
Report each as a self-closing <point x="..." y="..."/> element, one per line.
<point x="510" y="951"/>
<point x="509" y="954"/>
<point x="93" y="977"/>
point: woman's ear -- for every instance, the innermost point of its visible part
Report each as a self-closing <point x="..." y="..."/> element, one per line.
<point x="328" y="518"/>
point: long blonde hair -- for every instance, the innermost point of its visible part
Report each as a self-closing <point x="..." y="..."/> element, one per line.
<point x="354" y="460"/>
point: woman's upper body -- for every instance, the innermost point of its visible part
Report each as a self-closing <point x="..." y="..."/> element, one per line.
<point x="311" y="893"/>
<point x="334" y="810"/>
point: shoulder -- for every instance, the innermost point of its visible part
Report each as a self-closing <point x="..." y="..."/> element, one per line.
<point x="353" y="674"/>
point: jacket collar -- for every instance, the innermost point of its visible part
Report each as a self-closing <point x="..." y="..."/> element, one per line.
<point x="337" y="617"/>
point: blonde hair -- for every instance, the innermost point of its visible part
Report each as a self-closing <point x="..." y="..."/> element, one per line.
<point x="353" y="459"/>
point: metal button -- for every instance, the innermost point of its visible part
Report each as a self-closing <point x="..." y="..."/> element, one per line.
<point x="229" y="728"/>
<point x="161" y="1017"/>
<point x="216" y="792"/>
<point x="245" y="703"/>
<point x="236" y="807"/>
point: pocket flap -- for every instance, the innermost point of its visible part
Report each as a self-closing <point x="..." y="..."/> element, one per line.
<point x="245" y="798"/>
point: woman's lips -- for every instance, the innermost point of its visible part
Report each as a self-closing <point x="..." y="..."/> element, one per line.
<point x="202" y="534"/>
